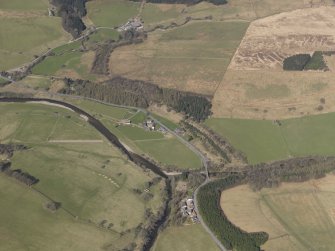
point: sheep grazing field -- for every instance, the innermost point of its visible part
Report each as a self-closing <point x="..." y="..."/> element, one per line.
<point x="91" y="179"/>
<point x="297" y="216"/>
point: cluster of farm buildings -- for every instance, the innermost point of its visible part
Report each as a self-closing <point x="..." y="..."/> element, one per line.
<point x="134" y="24"/>
<point x="188" y="210"/>
<point x="148" y="125"/>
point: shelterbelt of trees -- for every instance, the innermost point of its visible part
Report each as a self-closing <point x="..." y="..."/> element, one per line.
<point x="306" y="62"/>
<point x="5" y="166"/>
<point x="257" y="176"/>
<point x="123" y="91"/>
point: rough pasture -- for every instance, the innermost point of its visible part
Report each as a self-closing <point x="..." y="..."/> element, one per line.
<point x="269" y="40"/>
<point x="297" y="216"/>
<point x="255" y="85"/>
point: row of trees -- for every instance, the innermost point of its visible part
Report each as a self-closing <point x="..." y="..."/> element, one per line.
<point x="9" y="149"/>
<point x="292" y="170"/>
<point x="296" y="62"/>
<point x="195" y="132"/>
<point x="18" y="174"/>
<point x="138" y="93"/>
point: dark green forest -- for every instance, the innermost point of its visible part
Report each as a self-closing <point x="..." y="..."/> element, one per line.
<point x="296" y="62"/>
<point x="138" y="93"/>
<point x="71" y="12"/>
<point x="317" y="62"/>
<point x="230" y="235"/>
<point x="305" y="62"/>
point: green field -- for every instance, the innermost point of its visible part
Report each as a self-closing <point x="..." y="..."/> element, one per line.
<point x="22" y="38"/>
<point x="93" y="181"/>
<point x="28" y="5"/>
<point x="104" y="34"/>
<point x="111" y="13"/>
<point x="136" y="133"/>
<point x="139" y="118"/>
<point x="168" y="123"/>
<point x="153" y="13"/>
<point x="263" y="140"/>
<point x="66" y="63"/>
<point x="59" y="231"/>
<point x="185" y="238"/>
<point x="170" y="152"/>
<point x="103" y="110"/>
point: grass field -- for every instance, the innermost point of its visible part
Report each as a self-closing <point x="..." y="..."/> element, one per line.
<point x="297" y="216"/>
<point x="156" y="13"/>
<point x="105" y="110"/>
<point x="28" y="5"/>
<point x="264" y="140"/>
<point x="185" y="238"/>
<point x="111" y="13"/>
<point x="67" y="61"/>
<point x="93" y="181"/>
<point x="26" y="31"/>
<point x="192" y="57"/>
<point x="171" y="152"/>
<point x="59" y="231"/>
<point x="168" y="123"/>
